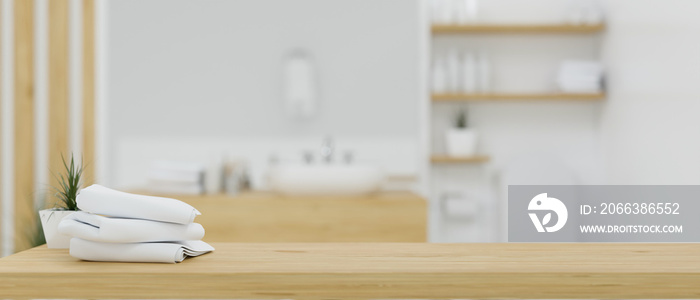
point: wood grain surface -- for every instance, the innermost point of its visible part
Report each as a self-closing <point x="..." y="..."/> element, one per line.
<point x="370" y="271"/>
<point x="88" y="92"/>
<point x="24" y="102"/>
<point x="58" y="92"/>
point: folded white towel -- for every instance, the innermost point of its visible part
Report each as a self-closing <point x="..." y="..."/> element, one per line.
<point x="104" y="201"/>
<point x="96" y="228"/>
<point x="141" y="252"/>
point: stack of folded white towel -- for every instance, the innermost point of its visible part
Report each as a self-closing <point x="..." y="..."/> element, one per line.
<point x="577" y="76"/>
<point x="118" y="226"/>
<point x="176" y="177"/>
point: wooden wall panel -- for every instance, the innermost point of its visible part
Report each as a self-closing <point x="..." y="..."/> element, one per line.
<point x="58" y="105"/>
<point x="24" y="122"/>
<point x="1" y="198"/>
<point x="89" y="91"/>
<point x="58" y="88"/>
<point x="262" y="217"/>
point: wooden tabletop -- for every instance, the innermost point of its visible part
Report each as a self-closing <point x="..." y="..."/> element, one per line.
<point x="371" y="270"/>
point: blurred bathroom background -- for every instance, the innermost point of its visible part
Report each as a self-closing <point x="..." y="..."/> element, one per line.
<point x="450" y="100"/>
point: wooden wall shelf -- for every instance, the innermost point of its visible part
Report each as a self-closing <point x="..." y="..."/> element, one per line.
<point x="452" y="159"/>
<point x="519" y="97"/>
<point x="517" y="28"/>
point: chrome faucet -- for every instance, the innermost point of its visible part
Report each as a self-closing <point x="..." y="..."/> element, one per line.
<point x="327" y="149"/>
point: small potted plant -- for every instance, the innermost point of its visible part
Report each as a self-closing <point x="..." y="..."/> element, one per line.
<point x="461" y="140"/>
<point x="66" y="204"/>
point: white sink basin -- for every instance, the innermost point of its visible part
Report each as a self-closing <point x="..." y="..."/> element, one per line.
<point x="324" y="179"/>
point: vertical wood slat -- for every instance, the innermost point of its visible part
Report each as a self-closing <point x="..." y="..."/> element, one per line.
<point x="25" y="217"/>
<point x="58" y="89"/>
<point x="89" y="91"/>
<point x="2" y="238"/>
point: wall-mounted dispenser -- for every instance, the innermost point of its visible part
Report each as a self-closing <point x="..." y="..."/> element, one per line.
<point x="300" y="85"/>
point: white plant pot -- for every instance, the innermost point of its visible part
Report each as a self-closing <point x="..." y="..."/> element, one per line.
<point x="49" y="222"/>
<point x="461" y="142"/>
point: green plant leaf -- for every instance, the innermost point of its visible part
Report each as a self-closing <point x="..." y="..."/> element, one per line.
<point x="69" y="184"/>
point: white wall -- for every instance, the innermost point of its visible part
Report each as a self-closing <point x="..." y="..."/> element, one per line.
<point x="193" y="71"/>
<point x="651" y="123"/>
<point x="7" y="127"/>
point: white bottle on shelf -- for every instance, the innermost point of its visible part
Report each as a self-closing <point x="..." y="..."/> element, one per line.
<point x="453" y="71"/>
<point x="593" y="14"/>
<point x="472" y="10"/>
<point x="469" y="73"/>
<point x="439" y="76"/>
<point x="575" y="13"/>
<point x="461" y="13"/>
<point x="484" y="73"/>
<point x="465" y="11"/>
<point x="439" y="12"/>
<point x="435" y="11"/>
<point x="447" y="14"/>
<point x="585" y="12"/>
